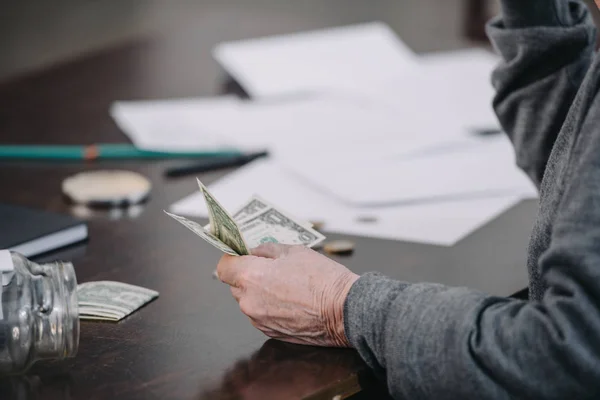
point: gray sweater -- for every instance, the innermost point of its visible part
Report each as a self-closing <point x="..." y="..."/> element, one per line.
<point x="433" y="341"/>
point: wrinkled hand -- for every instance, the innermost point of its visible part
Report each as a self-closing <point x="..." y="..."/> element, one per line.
<point x="291" y="293"/>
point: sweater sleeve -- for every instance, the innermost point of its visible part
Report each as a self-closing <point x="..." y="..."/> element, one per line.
<point x="546" y="47"/>
<point x="434" y="341"/>
<point x="431" y="341"/>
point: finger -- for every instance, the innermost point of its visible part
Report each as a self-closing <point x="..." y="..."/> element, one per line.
<point x="277" y="335"/>
<point x="229" y="269"/>
<point x="261" y="327"/>
<point x="271" y="250"/>
<point x="256" y="324"/>
<point x="237" y="293"/>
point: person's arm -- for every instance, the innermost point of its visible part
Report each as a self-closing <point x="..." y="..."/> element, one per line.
<point x="546" y="47"/>
<point x="433" y="341"/>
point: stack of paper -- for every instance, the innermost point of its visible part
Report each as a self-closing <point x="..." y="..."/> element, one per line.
<point x="344" y="126"/>
<point x="482" y="167"/>
<point x="442" y="223"/>
<point x="172" y="125"/>
<point x="358" y="127"/>
<point x="349" y="57"/>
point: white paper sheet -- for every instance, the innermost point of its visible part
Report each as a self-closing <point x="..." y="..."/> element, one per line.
<point x="173" y="124"/>
<point x="443" y="100"/>
<point x="344" y="125"/>
<point x="368" y="59"/>
<point x="336" y="58"/>
<point x="463" y="78"/>
<point x="484" y="167"/>
<point x="441" y="223"/>
<point x="453" y="87"/>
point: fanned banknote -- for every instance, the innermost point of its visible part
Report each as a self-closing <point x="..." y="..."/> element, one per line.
<point x="257" y="205"/>
<point x="222" y="225"/>
<point x="272" y="225"/>
<point x="256" y="222"/>
<point x="253" y="206"/>
<point x="204" y="234"/>
<point x="111" y="301"/>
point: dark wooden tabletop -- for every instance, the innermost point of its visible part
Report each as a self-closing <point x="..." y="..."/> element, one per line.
<point x="193" y="342"/>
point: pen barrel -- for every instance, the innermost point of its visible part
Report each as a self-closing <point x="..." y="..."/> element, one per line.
<point x="119" y="151"/>
<point x="41" y="152"/>
<point x="214" y="163"/>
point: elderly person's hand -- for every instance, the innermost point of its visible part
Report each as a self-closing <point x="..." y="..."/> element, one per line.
<point x="291" y="293"/>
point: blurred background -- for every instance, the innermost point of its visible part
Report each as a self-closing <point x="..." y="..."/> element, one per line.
<point x="38" y="33"/>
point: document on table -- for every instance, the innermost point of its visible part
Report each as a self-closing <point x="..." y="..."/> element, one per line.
<point x="321" y="60"/>
<point x="368" y="59"/>
<point x="447" y="99"/>
<point x="174" y="124"/>
<point x="486" y="166"/>
<point x="345" y="125"/>
<point x="441" y="223"/>
<point x="453" y="87"/>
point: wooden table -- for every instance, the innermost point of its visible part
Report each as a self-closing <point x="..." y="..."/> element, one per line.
<point x="193" y="342"/>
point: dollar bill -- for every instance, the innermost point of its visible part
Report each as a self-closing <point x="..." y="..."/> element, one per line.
<point x="204" y="234"/>
<point x="272" y="225"/>
<point x="105" y="307"/>
<point x="256" y="222"/>
<point x="98" y="318"/>
<point x="112" y="301"/>
<point x="253" y="206"/>
<point x="99" y="313"/>
<point x="256" y="205"/>
<point x="222" y="225"/>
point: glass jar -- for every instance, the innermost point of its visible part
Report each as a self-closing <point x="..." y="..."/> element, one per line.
<point x="38" y="312"/>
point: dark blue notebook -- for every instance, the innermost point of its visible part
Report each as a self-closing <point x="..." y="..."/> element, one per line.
<point x="32" y="232"/>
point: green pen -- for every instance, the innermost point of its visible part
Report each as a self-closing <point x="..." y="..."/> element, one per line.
<point x="97" y="152"/>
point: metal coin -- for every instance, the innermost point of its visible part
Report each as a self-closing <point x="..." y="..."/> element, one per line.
<point x="317" y="225"/>
<point x="340" y="247"/>
<point x="367" y="219"/>
<point x="317" y="246"/>
<point x="107" y="188"/>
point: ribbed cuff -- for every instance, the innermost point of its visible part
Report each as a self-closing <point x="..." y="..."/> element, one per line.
<point x="530" y="13"/>
<point x="362" y="305"/>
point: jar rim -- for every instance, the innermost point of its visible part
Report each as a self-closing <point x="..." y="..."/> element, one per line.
<point x="71" y="315"/>
<point x="67" y="287"/>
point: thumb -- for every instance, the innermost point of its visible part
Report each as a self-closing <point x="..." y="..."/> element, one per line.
<point x="271" y="250"/>
<point x="229" y="269"/>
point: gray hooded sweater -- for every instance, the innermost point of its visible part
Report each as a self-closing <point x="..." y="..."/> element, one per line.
<point x="438" y="342"/>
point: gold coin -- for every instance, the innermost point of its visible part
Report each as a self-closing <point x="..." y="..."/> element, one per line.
<point x="317" y="225"/>
<point x="340" y="247"/>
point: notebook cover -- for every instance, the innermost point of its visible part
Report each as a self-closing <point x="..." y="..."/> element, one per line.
<point x="20" y="225"/>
